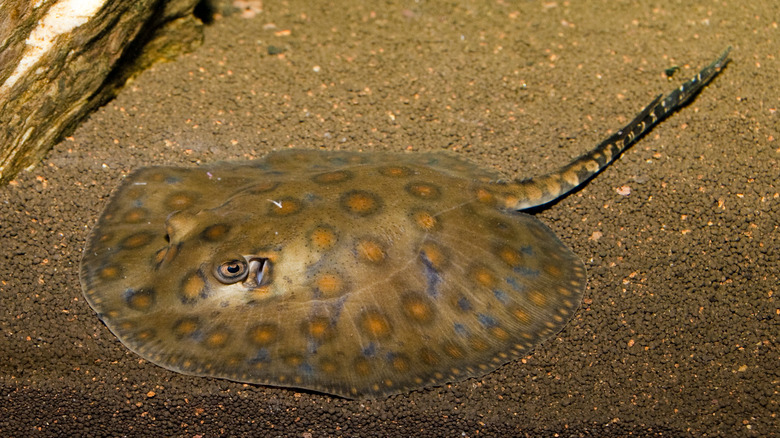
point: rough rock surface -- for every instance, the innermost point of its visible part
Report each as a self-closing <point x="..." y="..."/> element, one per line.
<point x="47" y="90"/>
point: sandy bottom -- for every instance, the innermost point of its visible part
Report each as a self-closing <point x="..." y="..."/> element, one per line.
<point x="678" y="331"/>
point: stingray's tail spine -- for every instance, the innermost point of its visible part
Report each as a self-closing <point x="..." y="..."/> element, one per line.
<point x="528" y="193"/>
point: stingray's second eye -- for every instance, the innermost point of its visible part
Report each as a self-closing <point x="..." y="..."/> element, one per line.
<point x="232" y="271"/>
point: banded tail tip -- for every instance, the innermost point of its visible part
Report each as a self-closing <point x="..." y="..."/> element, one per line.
<point x="529" y="193"/>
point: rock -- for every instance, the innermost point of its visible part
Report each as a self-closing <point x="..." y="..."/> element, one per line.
<point x="61" y="59"/>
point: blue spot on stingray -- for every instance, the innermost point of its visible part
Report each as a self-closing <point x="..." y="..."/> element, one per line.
<point x="198" y="336"/>
<point x="172" y="180"/>
<point x="515" y="285"/>
<point x="311" y="197"/>
<point x="432" y="276"/>
<point x="527" y="250"/>
<point x="305" y="369"/>
<point x="464" y="304"/>
<point x="501" y="296"/>
<point x="262" y="356"/>
<point x="460" y="329"/>
<point x="527" y="272"/>
<point x="391" y="355"/>
<point x="369" y="350"/>
<point x="312" y="345"/>
<point x="487" y="321"/>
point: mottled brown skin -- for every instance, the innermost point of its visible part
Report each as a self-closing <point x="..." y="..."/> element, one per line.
<point x="354" y="274"/>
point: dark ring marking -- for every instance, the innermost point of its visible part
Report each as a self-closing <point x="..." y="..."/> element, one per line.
<point x="140" y="299"/>
<point x="361" y="202"/>
<point x="334" y="177"/>
<point x="423" y="190"/>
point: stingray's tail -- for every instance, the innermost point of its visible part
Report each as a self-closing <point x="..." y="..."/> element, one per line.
<point x="543" y="189"/>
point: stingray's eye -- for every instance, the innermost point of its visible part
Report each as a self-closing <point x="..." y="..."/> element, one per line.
<point x="232" y="271"/>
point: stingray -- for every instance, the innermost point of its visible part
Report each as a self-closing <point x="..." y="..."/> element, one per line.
<point x="354" y="274"/>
